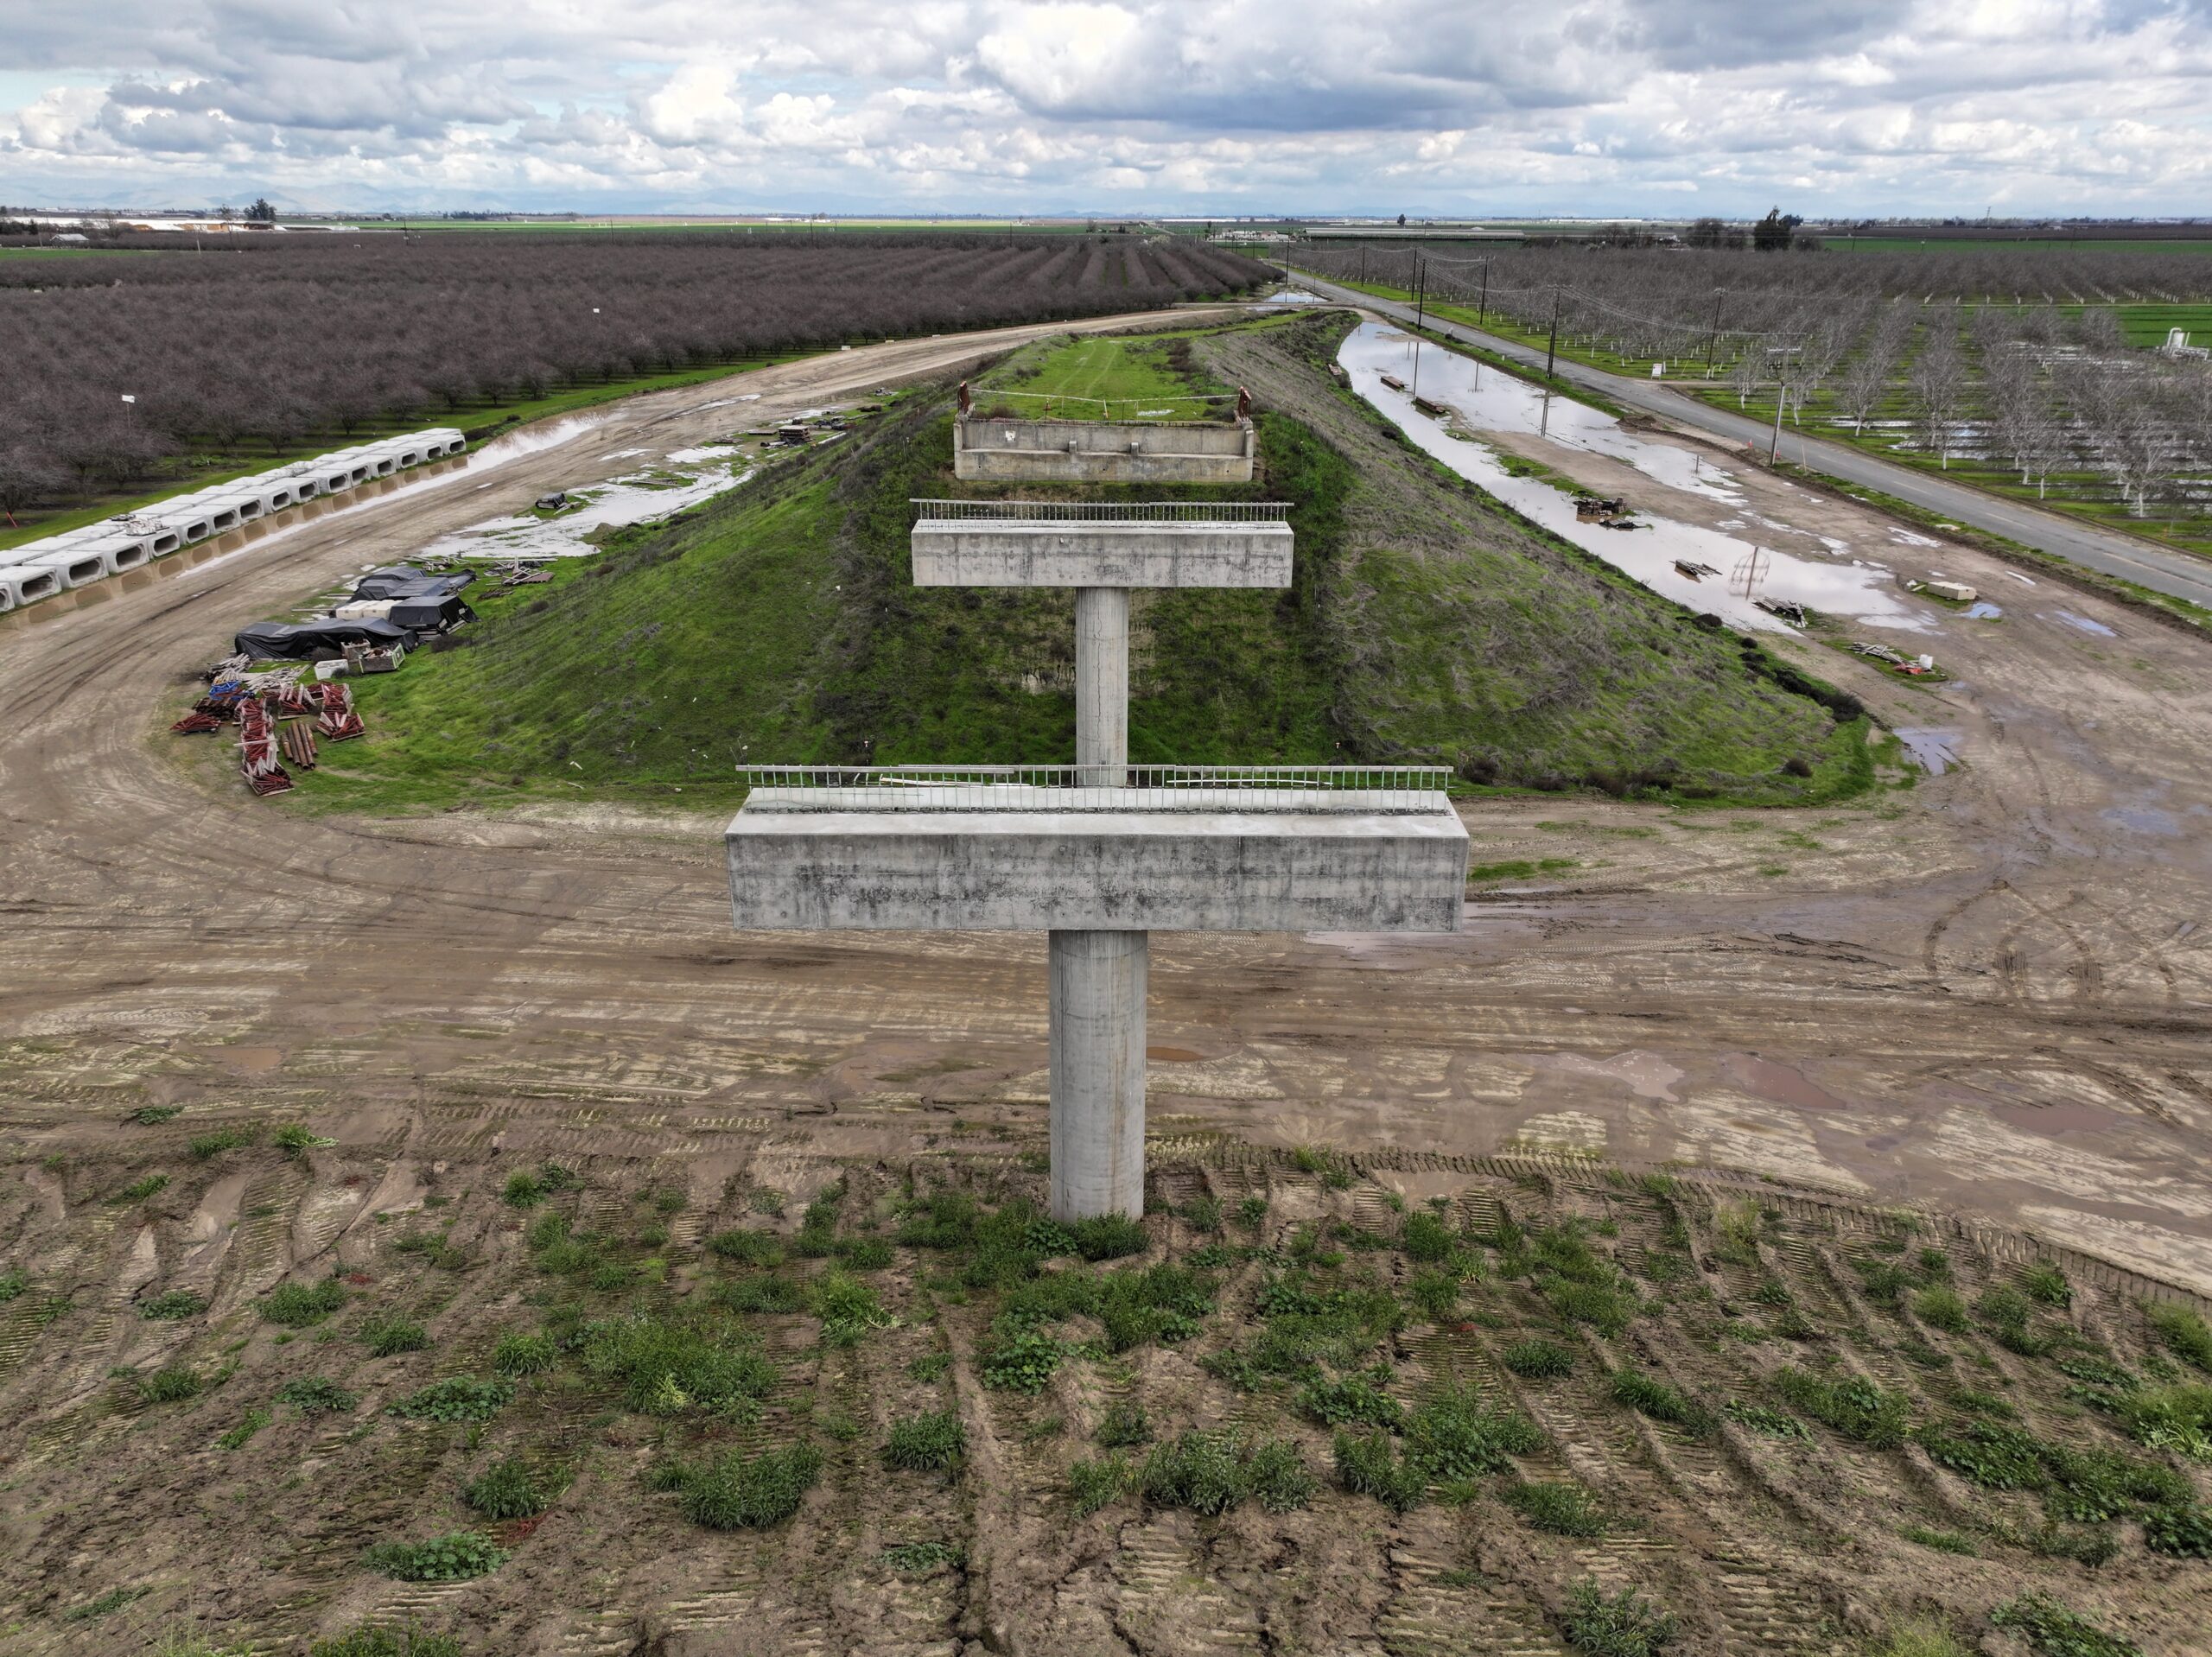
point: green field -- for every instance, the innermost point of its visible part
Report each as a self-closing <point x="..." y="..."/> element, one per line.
<point x="1105" y="378"/>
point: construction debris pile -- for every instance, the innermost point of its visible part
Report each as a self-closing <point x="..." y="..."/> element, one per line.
<point x="391" y="609"/>
<point x="279" y="715"/>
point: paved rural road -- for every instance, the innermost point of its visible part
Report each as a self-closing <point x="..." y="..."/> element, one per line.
<point x="2175" y="573"/>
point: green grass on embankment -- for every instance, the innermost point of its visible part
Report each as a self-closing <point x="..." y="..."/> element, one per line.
<point x="779" y="623"/>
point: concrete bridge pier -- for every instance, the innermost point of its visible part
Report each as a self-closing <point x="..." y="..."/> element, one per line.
<point x="1097" y="1115"/>
<point x="1101" y="685"/>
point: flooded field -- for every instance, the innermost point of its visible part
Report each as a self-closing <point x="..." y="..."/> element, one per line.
<point x="1734" y="569"/>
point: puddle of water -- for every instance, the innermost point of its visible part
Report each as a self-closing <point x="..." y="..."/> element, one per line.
<point x="637" y="498"/>
<point x="2017" y="576"/>
<point x="1983" y="610"/>
<point x="1296" y="297"/>
<point x="1910" y="539"/>
<point x="2144" y="819"/>
<point x="2082" y="624"/>
<point x="1488" y="399"/>
<point x="1937" y="750"/>
<point x="1651" y="553"/>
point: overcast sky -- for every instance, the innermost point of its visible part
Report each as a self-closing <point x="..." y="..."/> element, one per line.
<point x="1424" y="106"/>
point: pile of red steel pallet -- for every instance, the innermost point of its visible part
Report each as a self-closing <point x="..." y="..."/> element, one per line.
<point x="281" y="717"/>
<point x="258" y="747"/>
<point x="338" y="722"/>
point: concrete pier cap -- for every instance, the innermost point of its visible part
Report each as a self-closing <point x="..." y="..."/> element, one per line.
<point x="1091" y="544"/>
<point x="1044" y="848"/>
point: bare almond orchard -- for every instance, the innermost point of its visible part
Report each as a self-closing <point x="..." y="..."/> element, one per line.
<point x="1969" y="1015"/>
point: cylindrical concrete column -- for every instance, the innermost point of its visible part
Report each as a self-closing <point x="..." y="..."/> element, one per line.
<point x="1098" y="988"/>
<point x="1101" y="685"/>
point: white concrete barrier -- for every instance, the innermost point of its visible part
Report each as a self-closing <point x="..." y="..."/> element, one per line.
<point x="22" y="584"/>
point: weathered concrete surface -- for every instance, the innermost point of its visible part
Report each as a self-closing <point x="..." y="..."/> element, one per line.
<point x="1071" y="451"/>
<point x="1099" y="982"/>
<point x="969" y="552"/>
<point x="1102" y="684"/>
<point x="1047" y="870"/>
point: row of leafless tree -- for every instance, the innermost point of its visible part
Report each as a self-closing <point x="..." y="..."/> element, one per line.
<point x="283" y="341"/>
<point x="1953" y="353"/>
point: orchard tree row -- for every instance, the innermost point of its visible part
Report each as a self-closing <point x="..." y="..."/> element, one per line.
<point x="276" y="344"/>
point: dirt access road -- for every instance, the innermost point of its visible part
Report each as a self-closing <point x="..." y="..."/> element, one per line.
<point x="1988" y="993"/>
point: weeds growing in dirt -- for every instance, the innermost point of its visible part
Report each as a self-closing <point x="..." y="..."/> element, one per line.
<point x="154" y="1115"/>
<point x="522" y="1354"/>
<point x="2050" y="1629"/>
<point x="375" y="1639"/>
<point x="1450" y="1434"/>
<point x="1578" y="1283"/>
<point x="1943" y="1541"/>
<point x="847" y="1308"/>
<point x="1369" y="1465"/>
<point x="2047" y="1284"/>
<point x="249" y="1424"/>
<point x="1426" y="1238"/>
<point x="316" y="1395"/>
<point x="218" y="1140"/>
<point x="1943" y="1309"/>
<point x="914" y="1558"/>
<point x="1345" y="1400"/>
<point x="1021" y="1358"/>
<point x="458" y="1398"/>
<point x="1252" y="1212"/>
<point x="2177" y="1418"/>
<point x="763" y="1293"/>
<point x="926" y="1444"/>
<point x="1737" y="1223"/>
<point x="1922" y="1640"/>
<point x="1556" y="1506"/>
<point x="387" y="1337"/>
<point x="114" y="1600"/>
<point x="1211" y="1472"/>
<point x="293" y="1137"/>
<point x="172" y="1385"/>
<point x="1123" y="1424"/>
<point x="1538" y="1360"/>
<point x="12" y="1285"/>
<point x="1855" y="1407"/>
<point x="2182" y="1331"/>
<point x="1109" y="1236"/>
<point x="1203" y="1214"/>
<point x="139" y="1190"/>
<point x="2181" y="1531"/>
<point x="1662" y="1402"/>
<point x="734" y="1492"/>
<point x="509" y="1490"/>
<point x="1433" y="1294"/>
<point x="174" y="1307"/>
<point x="931" y="1366"/>
<point x="1776" y="1424"/>
<point x="301" y="1305"/>
<point x="865" y="1254"/>
<point x="458" y="1556"/>
<point x="1620" y="1625"/>
<point x="1095" y="1484"/>
<point x="683" y="1361"/>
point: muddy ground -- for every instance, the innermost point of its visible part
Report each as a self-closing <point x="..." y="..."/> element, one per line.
<point x="1984" y="996"/>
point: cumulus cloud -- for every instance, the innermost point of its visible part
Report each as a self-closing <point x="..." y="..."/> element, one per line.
<point x="1222" y="105"/>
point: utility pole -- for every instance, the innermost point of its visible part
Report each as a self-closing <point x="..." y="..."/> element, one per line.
<point x="1420" y="311"/>
<point x="1781" y="397"/>
<point x="1551" y="352"/>
<point x="1482" y="305"/>
<point x="1713" y="338"/>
